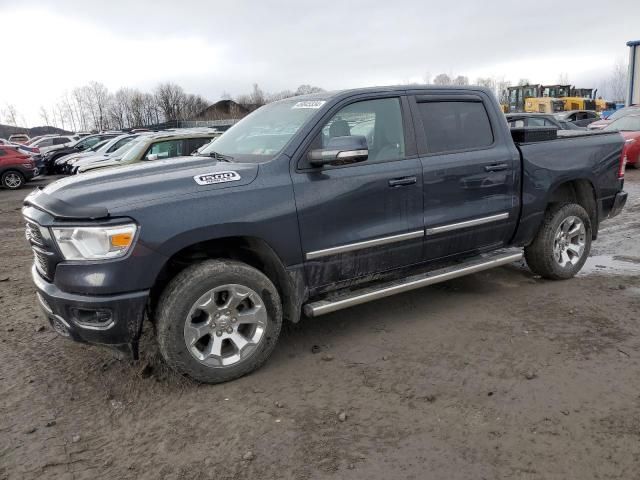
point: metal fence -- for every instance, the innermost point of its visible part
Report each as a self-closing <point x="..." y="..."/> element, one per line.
<point x="218" y="124"/>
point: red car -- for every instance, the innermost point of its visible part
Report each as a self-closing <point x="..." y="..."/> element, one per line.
<point x="15" y="167"/>
<point x="629" y="128"/>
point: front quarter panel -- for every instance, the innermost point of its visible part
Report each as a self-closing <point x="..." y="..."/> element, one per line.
<point x="264" y="209"/>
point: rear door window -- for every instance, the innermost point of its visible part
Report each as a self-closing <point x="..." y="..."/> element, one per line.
<point x="451" y="126"/>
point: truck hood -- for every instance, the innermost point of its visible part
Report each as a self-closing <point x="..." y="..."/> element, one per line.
<point x="102" y="193"/>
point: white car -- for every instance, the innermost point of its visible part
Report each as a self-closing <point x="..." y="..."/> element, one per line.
<point x="46" y="144"/>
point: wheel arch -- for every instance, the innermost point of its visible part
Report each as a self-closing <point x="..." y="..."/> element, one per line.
<point x="580" y="191"/>
<point x="253" y="251"/>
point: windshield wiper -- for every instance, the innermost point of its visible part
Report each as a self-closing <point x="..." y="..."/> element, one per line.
<point x="220" y="156"/>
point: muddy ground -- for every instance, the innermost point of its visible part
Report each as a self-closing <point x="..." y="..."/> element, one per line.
<point x="497" y="375"/>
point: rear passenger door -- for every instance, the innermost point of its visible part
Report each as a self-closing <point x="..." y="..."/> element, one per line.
<point x="471" y="173"/>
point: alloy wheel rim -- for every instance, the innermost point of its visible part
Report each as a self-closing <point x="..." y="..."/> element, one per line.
<point x="569" y="242"/>
<point x="12" y="180"/>
<point x="225" y="325"/>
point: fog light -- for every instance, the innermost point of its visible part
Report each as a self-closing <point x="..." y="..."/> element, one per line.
<point x="92" y="318"/>
<point x="60" y="327"/>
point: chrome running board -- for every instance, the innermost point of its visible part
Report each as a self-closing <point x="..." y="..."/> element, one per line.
<point x="367" y="294"/>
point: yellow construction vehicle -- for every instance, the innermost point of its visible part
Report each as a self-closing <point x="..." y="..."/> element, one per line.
<point x="579" y="103"/>
<point x="573" y="98"/>
<point x="602" y="105"/>
<point x="543" y="105"/>
<point x="530" y="98"/>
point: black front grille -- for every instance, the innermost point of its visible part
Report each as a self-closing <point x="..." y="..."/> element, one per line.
<point x="44" y="257"/>
<point x="33" y="234"/>
<point x="43" y="262"/>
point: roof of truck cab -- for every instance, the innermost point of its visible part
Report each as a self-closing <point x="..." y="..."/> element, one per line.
<point x="391" y="88"/>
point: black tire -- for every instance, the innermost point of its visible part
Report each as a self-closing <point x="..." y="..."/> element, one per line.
<point x="540" y="254"/>
<point x="12" y="180"/>
<point x="184" y="291"/>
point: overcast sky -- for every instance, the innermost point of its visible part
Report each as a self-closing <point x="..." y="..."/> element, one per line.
<point x="214" y="47"/>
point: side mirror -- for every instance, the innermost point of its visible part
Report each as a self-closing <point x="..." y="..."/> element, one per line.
<point x="341" y="151"/>
<point x="151" y="157"/>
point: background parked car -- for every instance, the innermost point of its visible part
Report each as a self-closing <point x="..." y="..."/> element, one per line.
<point x="80" y="145"/>
<point x="517" y="120"/>
<point x="19" y="138"/>
<point x="157" y="147"/>
<point x="101" y="150"/>
<point x="629" y="128"/>
<point x="15" y="167"/>
<point x="623" y="112"/>
<point x="48" y="143"/>
<point x="581" y="118"/>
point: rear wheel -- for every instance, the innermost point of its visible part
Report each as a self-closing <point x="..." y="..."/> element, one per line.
<point x="218" y="320"/>
<point x="12" y="180"/>
<point x="562" y="244"/>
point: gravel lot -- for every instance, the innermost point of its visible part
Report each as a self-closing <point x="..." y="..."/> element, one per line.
<point x="497" y="375"/>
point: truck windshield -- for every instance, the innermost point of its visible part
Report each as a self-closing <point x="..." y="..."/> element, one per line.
<point x="260" y="136"/>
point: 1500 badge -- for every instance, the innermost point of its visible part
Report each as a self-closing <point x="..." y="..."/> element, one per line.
<point x="217" y="177"/>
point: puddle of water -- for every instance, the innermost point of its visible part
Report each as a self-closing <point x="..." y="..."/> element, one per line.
<point x="611" y="265"/>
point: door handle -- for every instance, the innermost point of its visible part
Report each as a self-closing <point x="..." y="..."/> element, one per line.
<point x="400" y="182"/>
<point x="496" y="167"/>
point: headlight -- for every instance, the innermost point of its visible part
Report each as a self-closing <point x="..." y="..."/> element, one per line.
<point x="94" y="243"/>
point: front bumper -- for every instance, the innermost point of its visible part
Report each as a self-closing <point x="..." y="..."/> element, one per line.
<point x="618" y="204"/>
<point x="109" y="320"/>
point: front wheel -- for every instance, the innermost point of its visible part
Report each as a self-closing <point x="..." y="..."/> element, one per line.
<point x="218" y="320"/>
<point x="562" y="244"/>
<point x="12" y="180"/>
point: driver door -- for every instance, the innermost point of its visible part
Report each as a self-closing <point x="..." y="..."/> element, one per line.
<point x="360" y="219"/>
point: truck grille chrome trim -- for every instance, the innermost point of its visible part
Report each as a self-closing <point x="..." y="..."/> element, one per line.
<point x="468" y="223"/>
<point x="350" y="247"/>
<point x="478" y="264"/>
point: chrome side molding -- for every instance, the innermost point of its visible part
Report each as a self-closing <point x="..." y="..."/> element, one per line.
<point x="468" y="223"/>
<point x="478" y="264"/>
<point x="350" y="247"/>
<point x="376" y="242"/>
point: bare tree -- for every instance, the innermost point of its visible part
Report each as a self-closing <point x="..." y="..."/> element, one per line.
<point x="69" y="110"/>
<point x="80" y="106"/>
<point x="254" y="99"/>
<point x="523" y="81"/>
<point x="119" y="108"/>
<point x="460" y="80"/>
<point x="44" y="115"/>
<point x="10" y="114"/>
<point x="442" y="79"/>
<point x="617" y="84"/>
<point x="99" y="98"/>
<point x="307" y="89"/>
<point x="563" y="79"/>
<point x="170" y="98"/>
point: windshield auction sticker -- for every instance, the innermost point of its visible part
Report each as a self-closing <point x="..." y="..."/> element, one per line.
<point x="309" y="104"/>
<point x="217" y="177"/>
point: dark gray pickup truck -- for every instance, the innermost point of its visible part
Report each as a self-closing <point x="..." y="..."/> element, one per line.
<point x="312" y="204"/>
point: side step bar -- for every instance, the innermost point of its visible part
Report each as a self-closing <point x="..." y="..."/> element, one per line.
<point x="477" y="264"/>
